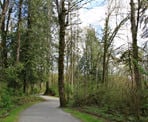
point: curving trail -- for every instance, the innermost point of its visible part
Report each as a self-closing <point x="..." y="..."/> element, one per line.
<point x="48" y="111"/>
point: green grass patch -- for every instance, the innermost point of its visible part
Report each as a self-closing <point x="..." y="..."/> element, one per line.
<point x="19" y="105"/>
<point x="14" y="114"/>
<point x="111" y="115"/>
<point x="83" y="116"/>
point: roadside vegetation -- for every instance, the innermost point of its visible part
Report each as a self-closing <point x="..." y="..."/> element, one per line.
<point x="44" y="49"/>
<point x="11" y="106"/>
<point x="115" y="102"/>
<point x="84" y="117"/>
<point x="14" y="114"/>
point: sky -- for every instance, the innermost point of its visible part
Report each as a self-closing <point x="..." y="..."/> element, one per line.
<point x="95" y="16"/>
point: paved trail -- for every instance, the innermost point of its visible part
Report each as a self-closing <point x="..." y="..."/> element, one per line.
<point x="48" y="111"/>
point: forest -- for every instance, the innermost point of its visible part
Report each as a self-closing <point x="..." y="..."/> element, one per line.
<point x="45" y="49"/>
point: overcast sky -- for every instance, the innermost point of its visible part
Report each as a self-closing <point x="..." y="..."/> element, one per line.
<point x="94" y="14"/>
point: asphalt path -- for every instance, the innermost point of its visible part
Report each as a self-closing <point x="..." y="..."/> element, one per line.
<point x="47" y="111"/>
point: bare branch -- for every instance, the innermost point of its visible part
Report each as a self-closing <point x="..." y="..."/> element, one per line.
<point x="76" y="5"/>
<point x="111" y="38"/>
<point x="57" y="4"/>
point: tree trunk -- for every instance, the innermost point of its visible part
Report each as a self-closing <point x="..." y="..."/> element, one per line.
<point x="134" y="29"/>
<point x="4" y="33"/>
<point x="4" y="47"/>
<point x="106" y="36"/>
<point x="4" y="11"/>
<point x="26" y="48"/>
<point x="48" y="90"/>
<point x="105" y="68"/>
<point x="18" y="31"/>
<point x="62" y="24"/>
<point x="61" y="63"/>
<point x="24" y="86"/>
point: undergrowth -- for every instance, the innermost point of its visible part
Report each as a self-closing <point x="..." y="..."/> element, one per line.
<point x="116" y="100"/>
<point x="9" y="101"/>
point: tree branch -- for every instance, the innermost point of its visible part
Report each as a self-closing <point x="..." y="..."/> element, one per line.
<point x="111" y="38"/>
<point x="57" y="4"/>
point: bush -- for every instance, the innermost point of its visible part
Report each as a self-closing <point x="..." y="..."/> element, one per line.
<point x="144" y="102"/>
<point x="6" y="99"/>
<point x="118" y="97"/>
<point x="12" y="76"/>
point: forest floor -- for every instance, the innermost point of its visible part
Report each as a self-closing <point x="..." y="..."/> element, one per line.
<point x="47" y="111"/>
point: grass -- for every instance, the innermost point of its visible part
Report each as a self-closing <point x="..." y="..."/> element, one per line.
<point x="14" y="114"/>
<point x="83" y="116"/>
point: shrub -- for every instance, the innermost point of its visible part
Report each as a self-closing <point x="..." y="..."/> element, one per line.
<point x="6" y="99"/>
<point x="13" y="76"/>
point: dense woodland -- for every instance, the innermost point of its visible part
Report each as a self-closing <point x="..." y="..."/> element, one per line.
<point x="44" y="49"/>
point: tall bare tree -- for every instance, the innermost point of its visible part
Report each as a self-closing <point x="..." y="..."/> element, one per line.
<point x="135" y="16"/>
<point x="63" y="9"/>
<point x="3" y="26"/>
<point x="108" y="38"/>
<point x="18" y="31"/>
<point x="62" y="12"/>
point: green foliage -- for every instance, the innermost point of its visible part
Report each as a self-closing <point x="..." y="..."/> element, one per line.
<point x="21" y="100"/>
<point x="14" y="114"/>
<point x="12" y="76"/>
<point x="6" y="100"/>
<point x="103" y="112"/>
<point x="10" y="103"/>
<point x="144" y="102"/>
<point x="54" y="83"/>
<point x="82" y="91"/>
<point x="21" y="103"/>
<point x="143" y="71"/>
<point x="99" y="95"/>
<point x="90" y="61"/>
<point x="116" y="100"/>
<point x="68" y="91"/>
<point x="83" y="116"/>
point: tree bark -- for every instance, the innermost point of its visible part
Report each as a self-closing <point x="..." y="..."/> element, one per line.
<point x="26" y="48"/>
<point x="61" y="61"/>
<point x="18" y="31"/>
<point x="62" y="28"/>
<point x="134" y="30"/>
<point x="4" y="33"/>
<point x="48" y="90"/>
<point x="106" y="36"/>
<point x="4" y="11"/>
